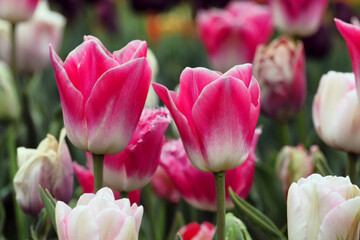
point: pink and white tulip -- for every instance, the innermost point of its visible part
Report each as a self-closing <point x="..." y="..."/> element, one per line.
<point x="134" y="167"/>
<point x="323" y="208"/>
<point x="216" y="115"/>
<point x="198" y="188"/>
<point x="280" y="70"/>
<point x="231" y="36"/>
<point x="298" y="17"/>
<point x="97" y="91"/>
<point x="351" y="34"/>
<point x="49" y="166"/>
<point x="17" y="10"/>
<point x="336" y="111"/>
<point x="98" y="216"/>
<point x="195" y="231"/>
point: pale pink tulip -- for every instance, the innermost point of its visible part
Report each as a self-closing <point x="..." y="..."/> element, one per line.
<point x="97" y="217"/>
<point x="195" y="231"/>
<point x="216" y="115"/>
<point x="163" y="186"/>
<point x="134" y="167"/>
<point x="198" y="188"/>
<point x="323" y="208"/>
<point x="280" y="70"/>
<point x="231" y="36"/>
<point x="298" y="17"/>
<point x="351" y="34"/>
<point x="102" y="94"/>
<point x="17" y="10"/>
<point x="49" y="166"/>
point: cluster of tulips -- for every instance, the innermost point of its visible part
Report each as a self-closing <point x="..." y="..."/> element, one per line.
<point x="111" y="113"/>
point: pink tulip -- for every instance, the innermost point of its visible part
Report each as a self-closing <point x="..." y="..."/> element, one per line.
<point x="216" y="115"/>
<point x="98" y="216"/>
<point x="134" y="167"/>
<point x="298" y="17"/>
<point x="231" y="36"/>
<point x="195" y="231"/>
<point x="351" y="34"/>
<point x="163" y="186"/>
<point x="102" y="94"/>
<point x="17" y="10"/>
<point x="280" y="70"/>
<point x="198" y="188"/>
<point x="86" y="181"/>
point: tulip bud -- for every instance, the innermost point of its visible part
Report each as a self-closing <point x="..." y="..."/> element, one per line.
<point x="293" y="163"/>
<point x="17" y="10"/>
<point x="235" y="229"/>
<point x="280" y="70"/>
<point x="49" y="166"/>
<point x="195" y="231"/>
<point x="9" y="101"/>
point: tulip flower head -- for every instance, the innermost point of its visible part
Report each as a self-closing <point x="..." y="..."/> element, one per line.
<point x="216" y="115"/>
<point x="49" y="166"/>
<point x="97" y="91"/>
<point x="17" y="10"/>
<point x="195" y="231"/>
<point x="163" y="186"/>
<point x="98" y="216"/>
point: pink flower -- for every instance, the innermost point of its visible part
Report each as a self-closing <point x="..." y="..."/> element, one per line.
<point x="134" y="167"/>
<point x="195" y="231"/>
<point x="102" y="94"/>
<point x="351" y="34"/>
<point x="86" y="181"/>
<point x="231" y="36"/>
<point x="298" y="17"/>
<point x="98" y="216"/>
<point x="216" y="115"/>
<point x="17" y="10"/>
<point x="280" y="70"/>
<point x="163" y="186"/>
<point x="198" y="188"/>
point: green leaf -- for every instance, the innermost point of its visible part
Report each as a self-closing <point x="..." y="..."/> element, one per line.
<point x="53" y="201"/>
<point x="179" y="237"/>
<point x="255" y="218"/>
<point x="321" y="164"/>
<point x="2" y="216"/>
<point x="49" y="204"/>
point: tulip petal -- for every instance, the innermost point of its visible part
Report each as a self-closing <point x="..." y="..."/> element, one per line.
<point x="242" y="72"/>
<point x="98" y="42"/>
<point x="134" y="49"/>
<point x="61" y="212"/>
<point x="24" y="154"/>
<point x="81" y="224"/>
<point x="111" y="114"/>
<point x="297" y="224"/>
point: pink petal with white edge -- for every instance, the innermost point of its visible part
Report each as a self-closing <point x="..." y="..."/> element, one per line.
<point x="61" y="212"/>
<point x="98" y="42"/>
<point x="221" y="117"/>
<point x="342" y="222"/>
<point x="110" y="128"/>
<point x="71" y="103"/>
<point x="134" y="49"/>
<point x="351" y="34"/>
<point x="190" y="140"/>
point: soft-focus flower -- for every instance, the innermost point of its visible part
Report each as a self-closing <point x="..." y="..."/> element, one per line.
<point x="152" y="99"/>
<point x="198" y="188"/>
<point x="133" y="168"/>
<point x="97" y="91"/>
<point x="195" y="231"/>
<point x="98" y="216"/>
<point x="351" y="34"/>
<point x="33" y="38"/>
<point x="86" y="181"/>
<point x="231" y="36"/>
<point x="336" y="111"/>
<point x="163" y="186"/>
<point x="17" y="10"/>
<point x="9" y="99"/>
<point x="49" y="166"/>
<point x="323" y="208"/>
<point x="216" y="115"/>
<point x="298" y="17"/>
<point x="280" y="70"/>
<point x="293" y="163"/>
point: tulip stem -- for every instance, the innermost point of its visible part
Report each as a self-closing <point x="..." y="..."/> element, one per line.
<point x="98" y="161"/>
<point x="301" y="124"/>
<point x="351" y="166"/>
<point x="284" y="131"/>
<point x="220" y="203"/>
<point x="13" y="57"/>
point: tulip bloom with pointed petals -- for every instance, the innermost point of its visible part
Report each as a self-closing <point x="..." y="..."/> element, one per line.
<point x="102" y="94"/>
<point x="17" y="10"/>
<point x="195" y="231"/>
<point x="216" y="115"/>
<point x="323" y="208"/>
<point x="134" y="167"/>
<point x="202" y="195"/>
<point x="351" y="34"/>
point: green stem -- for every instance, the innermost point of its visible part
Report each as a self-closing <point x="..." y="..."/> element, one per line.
<point x="13" y="56"/>
<point x="31" y="133"/>
<point x="285" y="135"/>
<point x="220" y="203"/>
<point x="98" y="161"/>
<point x="19" y="216"/>
<point x="150" y="212"/>
<point x="124" y="194"/>
<point x="351" y="166"/>
<point x="301" y="126"/>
